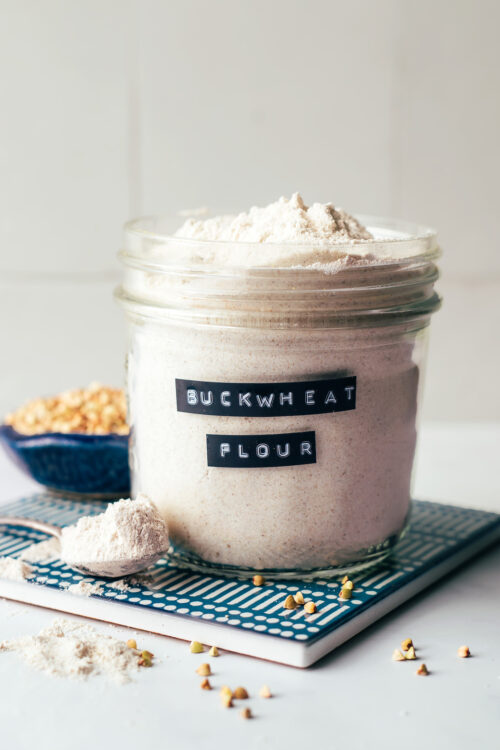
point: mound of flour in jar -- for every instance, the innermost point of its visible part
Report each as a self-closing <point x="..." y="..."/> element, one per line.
<point x="278" y="226"/>
<point x="285" y="220"/>
<point x="128" y="529"/>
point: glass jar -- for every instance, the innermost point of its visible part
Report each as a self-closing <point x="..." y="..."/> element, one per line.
<point x="273" y="410"/>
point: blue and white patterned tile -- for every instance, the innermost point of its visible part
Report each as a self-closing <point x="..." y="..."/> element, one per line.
<point x="436" y="532"/>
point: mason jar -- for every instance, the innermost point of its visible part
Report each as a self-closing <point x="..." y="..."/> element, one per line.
<point x="273" y="410"/>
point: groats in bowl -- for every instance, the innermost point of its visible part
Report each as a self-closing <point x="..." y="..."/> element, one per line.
<point x="92" y="465"/>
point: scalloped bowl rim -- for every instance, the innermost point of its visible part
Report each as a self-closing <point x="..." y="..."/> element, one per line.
<point x="61" y="437"/>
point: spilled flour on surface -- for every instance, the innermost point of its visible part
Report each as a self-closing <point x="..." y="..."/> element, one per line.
<point x="87" y="588"/>
<point x="14" y="569"/>
<point x="42" y="551"/>
<point x="78" y="651"/>
<point x="84" y="588"/>
<point x="119" y="585"/>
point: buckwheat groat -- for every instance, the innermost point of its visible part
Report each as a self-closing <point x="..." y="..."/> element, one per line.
<point x="273" y="379"/>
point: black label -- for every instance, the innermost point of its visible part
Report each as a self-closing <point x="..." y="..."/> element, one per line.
<point x="266" y="399"/>
<point x="260" y="451"/>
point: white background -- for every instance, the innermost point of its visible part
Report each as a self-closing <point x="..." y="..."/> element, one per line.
<point x="115" y="108"/>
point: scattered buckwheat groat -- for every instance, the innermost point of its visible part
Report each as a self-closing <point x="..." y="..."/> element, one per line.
<point x="397" y="655"/>
<point x="265" y="692"/>
<point x="196" y="647"/>
<point x="299" y="597"/>
<point x="214" y="651"/>
<point x="310" y="608"/>
<point x="410" y="654"/>
<point x="289" y="602"/>
<point x="205" y="684"/>
<point x="464" y="652"/>
<point x="422" y="670"/>
<point x="406" y="644"/>
<point x="226" y="700"/>
<point x="204" y="670"/>
<point x="346" y="589"/>
<point x="258" y="580"/>
<point x="345" y="593"/>
<point x="246" y="713"/>
<point x="240" y="693"/>
<point x="146" y="659"/>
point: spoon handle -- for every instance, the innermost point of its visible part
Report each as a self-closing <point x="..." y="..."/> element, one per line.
<point x="30" y="523"/>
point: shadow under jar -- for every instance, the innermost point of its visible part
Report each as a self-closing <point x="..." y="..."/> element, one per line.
<point x="273" y="410"/>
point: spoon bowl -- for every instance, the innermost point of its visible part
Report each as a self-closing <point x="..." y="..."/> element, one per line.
<point x="115" y="568"/>
<point x="99" y="568"/>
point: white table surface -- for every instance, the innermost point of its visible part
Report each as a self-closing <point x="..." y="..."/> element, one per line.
<point x="354" y="698"/>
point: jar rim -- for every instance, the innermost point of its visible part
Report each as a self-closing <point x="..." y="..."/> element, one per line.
<point x="183" y="278"/>
<point x="394" y="242"/>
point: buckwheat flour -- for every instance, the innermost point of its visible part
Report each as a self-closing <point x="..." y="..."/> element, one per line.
<point x="286" y="220"/>
<point x="285" y="233"/>
<point x="127" y="529"/>
<point x="71" y="649"/>
<point x="14" y="569"/>
<point x="85" y="588"/>
<point x="119" y="585"/>
<point x="42" y="551"/>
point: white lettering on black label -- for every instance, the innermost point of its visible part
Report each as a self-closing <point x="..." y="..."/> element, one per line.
<point x="261" y="451"/>
<point x="266" y="399"/>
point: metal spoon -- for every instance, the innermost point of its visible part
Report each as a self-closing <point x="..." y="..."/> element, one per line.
<point x="99" y="568"/>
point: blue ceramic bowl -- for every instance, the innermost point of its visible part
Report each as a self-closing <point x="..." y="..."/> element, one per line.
<point x="90" y="465"/>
